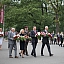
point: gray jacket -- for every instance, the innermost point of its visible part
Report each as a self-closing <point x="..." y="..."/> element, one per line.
<point x="10" y="38"/>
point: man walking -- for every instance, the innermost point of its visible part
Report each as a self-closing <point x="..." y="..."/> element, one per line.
<point x="45" y="40"/>
<point x="34" y="41"/>
<point x="12" y="43"/>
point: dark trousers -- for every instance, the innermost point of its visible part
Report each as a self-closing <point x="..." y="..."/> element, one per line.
<point x="55" y="41"/>
<point x="48" y="46"/>
<point x="34" y="47"/>
<point x="25" y="49"/>
<point x="61" y="42"/>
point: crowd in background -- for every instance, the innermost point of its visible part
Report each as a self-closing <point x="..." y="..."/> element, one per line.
<point x="57" y="39"/>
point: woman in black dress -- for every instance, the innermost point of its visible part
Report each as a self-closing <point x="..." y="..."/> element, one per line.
<point x="22" y="43"/>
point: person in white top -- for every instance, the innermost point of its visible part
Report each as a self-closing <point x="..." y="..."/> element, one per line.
<point x="1" y="37"/>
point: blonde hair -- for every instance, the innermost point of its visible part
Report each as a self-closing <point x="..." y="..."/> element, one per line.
<point x="21" y="31"/>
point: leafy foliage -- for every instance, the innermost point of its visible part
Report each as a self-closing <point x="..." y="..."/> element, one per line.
<point x="29" y="13"/>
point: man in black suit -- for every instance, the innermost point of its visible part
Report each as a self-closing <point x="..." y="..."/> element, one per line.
<point x="45" y="40"/>
<point x="34" y="41"/>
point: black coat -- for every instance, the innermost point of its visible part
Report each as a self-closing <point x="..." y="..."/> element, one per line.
<point x="45" y="39"/>
<point x="34" y="39"/>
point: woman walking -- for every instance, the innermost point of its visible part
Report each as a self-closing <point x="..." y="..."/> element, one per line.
<point x="22" y="43"/>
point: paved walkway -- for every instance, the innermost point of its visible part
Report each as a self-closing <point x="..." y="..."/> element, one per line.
<point x="58" y="57"/>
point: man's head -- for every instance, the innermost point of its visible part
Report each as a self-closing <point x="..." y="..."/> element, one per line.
<point x="13" y="29"/>
<point x="26" y="27"/>
<point x="34" y="28"/>
<point x="46" y="27"/>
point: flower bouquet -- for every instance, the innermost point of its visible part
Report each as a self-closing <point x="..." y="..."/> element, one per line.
<point x="15" y="37"/>
<point x="38" y="35"/>
<point x="1" y="35"/>
<point x="22" y="38"/>
<point x="49" y="35"/>
<point x="29" y="38"/>
<point x="43" y="34"/>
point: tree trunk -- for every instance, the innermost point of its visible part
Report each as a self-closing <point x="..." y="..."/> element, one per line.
<point x="57" y="22"/>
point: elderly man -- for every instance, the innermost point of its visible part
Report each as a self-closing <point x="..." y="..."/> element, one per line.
<point x="45" y="40"/>
<point x="8" y="39"/>
<point x="12" y="43"/>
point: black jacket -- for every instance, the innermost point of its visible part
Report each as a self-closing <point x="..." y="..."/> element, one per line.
<point x="45" y="39"/>
<point x="34" y="39"/>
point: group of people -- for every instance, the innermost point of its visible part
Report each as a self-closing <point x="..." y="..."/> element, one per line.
<point x="55" y="39"/>
<point x="23" y="44"/>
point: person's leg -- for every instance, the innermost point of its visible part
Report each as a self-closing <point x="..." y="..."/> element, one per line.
<point x="26" y="48"/>
<point x="34" y="49"/>
<point x="1" y="40"/>
<point x="24" y="51"/>
<point x="54" y="41"/>
<point x="0" y="47"/>
<point x="8" y="45"/>
<point x="15" y="49"/>
<point x="22" y="54"/>
<point x="58" y="40"/>
<point x="61" y="43"/>
<point x="35" y="45"/>
<point x="10" y="50"/>
<point x="48" y="46"/>
<point x="43" y="44"/>
<point x="33" y="53"/>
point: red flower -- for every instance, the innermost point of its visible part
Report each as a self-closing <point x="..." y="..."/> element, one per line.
<point x="49" y="35"/>
<point x="15" y="37"/>
<point x="1" y="35"/>
<point x="36" y="35"/>
<point x="43" y="34"/>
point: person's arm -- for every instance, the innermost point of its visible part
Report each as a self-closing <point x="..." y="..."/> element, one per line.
<point x="32" y="34"/>
<point x="9" y="36"/>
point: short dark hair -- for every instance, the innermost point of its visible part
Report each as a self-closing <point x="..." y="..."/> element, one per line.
<point x="26" y="27"/>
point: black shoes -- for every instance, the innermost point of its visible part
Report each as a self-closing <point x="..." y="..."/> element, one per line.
<point x="51" y="54"/>
<point x="16" y="56"/>
<point x="10" y="57"/>
<point x="35" y="56"/>
<point x="42" y="55"/>
<point x="20" y="54"/>
<point x="32" y="54"/>
<point x="27" y="55"/>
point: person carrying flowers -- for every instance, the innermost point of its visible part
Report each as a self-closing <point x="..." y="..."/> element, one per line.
<point x="45" y="40"/>
<point x="22" y="42"/>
